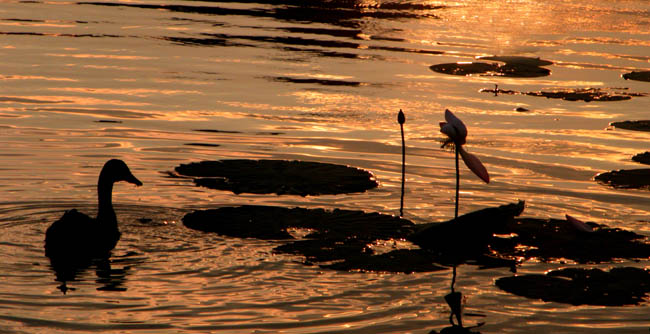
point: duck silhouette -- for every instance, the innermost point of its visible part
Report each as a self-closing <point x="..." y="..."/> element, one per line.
<point x="76" y="235"/>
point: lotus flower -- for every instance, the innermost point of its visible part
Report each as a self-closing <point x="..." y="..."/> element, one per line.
<point x="456" y="130"/>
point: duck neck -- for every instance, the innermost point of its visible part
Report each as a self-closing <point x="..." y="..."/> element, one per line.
<point x="105" y="214"/>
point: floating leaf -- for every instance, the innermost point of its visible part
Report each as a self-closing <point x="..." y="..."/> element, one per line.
<point x="467" y="236"/>
<point x="639" y="76"/>
<point x="339" y="235"/>
<point x="282" y="177"/>
<point x="632" y="125"/>
<point x="626" y="178"/>
<point x="519" y="60"/>
<point x="643" y="158"/>
<point x="400" y="261"/>
<point x="468" y="68"/>
<point x="345" y="236"/>
<point x="511" y="66"/>
<point x="270" y="222"/>
<point x="586" y="94"/>
<point x="577" y="286"/>
<point x="573" y="94"/>
<point x="555" y="239"/>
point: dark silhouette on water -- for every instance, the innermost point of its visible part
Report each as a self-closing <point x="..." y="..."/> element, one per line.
<point x="512" y="67"/>
<point x="628" y="178"/>
<point x="75" y="240"/>
<point x="572" y="94"/>
<point x="281" y="177"/>
<point x="638" y="125"/>
<point x="455" y="301"/>
<point x="639" y="76"/>
<point x="456" y="131"/>
<point x="643" y="158"/>
<point x="583" y="286"/>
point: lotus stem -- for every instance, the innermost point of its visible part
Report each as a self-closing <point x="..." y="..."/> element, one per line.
<point x="457" y="182"/>
<point x="453" y="279"/>
<point x="454" y="300"/>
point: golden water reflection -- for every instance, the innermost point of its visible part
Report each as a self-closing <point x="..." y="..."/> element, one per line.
<point x="69" y="103"/>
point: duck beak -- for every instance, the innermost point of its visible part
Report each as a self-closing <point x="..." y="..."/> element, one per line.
<point x="132" y="179"/>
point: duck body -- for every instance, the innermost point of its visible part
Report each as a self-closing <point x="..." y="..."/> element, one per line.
<point x="76" y="236"/>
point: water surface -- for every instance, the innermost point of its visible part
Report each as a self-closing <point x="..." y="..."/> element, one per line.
<point x="83" y="82"/>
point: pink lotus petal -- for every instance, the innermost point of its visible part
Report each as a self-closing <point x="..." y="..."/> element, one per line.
<point x="579" y="224"/>
<point x="449" y="130"/>
<point x="459" y="127"/>
<point x="474" y="164"/>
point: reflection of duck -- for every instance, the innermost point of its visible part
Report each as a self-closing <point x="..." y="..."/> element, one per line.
<point x="76" y="234"/>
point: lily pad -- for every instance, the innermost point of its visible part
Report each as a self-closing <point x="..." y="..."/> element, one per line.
<point x="586" y="94"/>
<point x="626" y="178"/>
<point x="639" y="76"/>
<point x="324" y="82"/>
<point x="240" y="222"/>
<point x="338" y="240"/>
<point x="632" y="125"/>
<point x="554" y="239"/>
<point x="467" y="236"/>
<point x="282" y="177"/>
<point x="203" y="144"/>
<point x="492" y="237"/>
<point x="270" y="222"/>
<point x="468" y="68"/>
<point x="643" y="158"/>
<point x="530" y="61"/>
<point x="516" y="70"/>
<point x="355" y="255"/>
<point x="573" y="94"/>
<point x="497" y="232"/>
<point x="455" y="329"/>
<point x="324" y="250"/>
<point x="576" y="286"/>
<point x="402" y="260"/>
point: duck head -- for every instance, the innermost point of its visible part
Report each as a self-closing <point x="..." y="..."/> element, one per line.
<point x="116" y="170"/>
